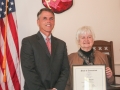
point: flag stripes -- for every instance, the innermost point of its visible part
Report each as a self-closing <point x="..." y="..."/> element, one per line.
<point x="12" y="52"/>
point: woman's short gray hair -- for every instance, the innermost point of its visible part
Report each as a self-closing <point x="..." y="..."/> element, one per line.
<point x="83" y="30"/>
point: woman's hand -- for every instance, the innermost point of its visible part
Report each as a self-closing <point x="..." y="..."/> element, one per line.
<point x="108" y="72"/>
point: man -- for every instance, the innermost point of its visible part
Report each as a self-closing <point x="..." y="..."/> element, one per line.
<point x="44" y="68"/>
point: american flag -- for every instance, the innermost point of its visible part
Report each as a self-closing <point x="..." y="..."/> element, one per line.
<point x="9" y="47"/>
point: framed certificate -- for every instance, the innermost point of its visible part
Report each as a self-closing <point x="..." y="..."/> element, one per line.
<point x="89" y="77"/>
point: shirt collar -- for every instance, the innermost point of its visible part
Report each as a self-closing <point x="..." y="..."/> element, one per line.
<point x="45" y="36"/>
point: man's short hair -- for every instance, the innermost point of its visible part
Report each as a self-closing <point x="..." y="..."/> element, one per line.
<point x="44" y="9"/>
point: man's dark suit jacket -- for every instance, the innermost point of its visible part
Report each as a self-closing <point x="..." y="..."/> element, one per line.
<point x="41" y="70"/>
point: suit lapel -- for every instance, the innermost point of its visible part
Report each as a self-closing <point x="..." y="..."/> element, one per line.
<point x="42" y="43"/>
<point x="53" y="45"/>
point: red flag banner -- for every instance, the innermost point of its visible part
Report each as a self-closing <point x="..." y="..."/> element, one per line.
<point x="58" y="6"/>
<point x="9" y="47"/>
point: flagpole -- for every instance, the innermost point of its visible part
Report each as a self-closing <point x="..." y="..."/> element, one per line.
<point x="5" y="38"/>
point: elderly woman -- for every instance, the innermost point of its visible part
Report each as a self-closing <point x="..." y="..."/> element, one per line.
<point x="87" y="56"/>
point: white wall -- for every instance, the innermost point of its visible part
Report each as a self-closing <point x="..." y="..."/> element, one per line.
<point x="102" y="15"/>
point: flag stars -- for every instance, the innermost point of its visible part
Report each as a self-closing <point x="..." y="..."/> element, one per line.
<point x="10" y="9"/>
<point x="2" y="3"/>
<point x="4" y="13"/>
<point x="6" y="9"/>
<point x="12" y="3"/>
<point x="0" y="9"/>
